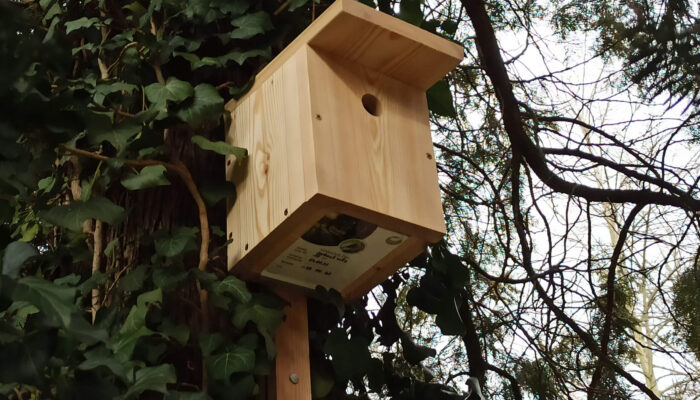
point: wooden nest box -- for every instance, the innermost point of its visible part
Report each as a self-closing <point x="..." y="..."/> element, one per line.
<point x="340" y="188"/>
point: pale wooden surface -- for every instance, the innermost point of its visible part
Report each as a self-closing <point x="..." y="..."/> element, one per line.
<point x="273" y="123"/>
<point x="292" y="342"/>
<point x="314" y="149"/>
<point x="383" y="163"/>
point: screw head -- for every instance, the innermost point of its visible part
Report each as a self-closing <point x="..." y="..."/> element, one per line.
<point x="294" y="378"/>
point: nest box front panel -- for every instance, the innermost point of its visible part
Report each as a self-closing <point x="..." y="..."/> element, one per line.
<point x="373" y="144"/>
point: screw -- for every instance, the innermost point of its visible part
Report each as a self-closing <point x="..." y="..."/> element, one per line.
<point x="294" y="378"/>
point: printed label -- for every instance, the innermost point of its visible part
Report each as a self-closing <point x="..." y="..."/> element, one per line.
<point x="333" y="253"/>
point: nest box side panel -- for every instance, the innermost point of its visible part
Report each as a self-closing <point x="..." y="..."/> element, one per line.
<point x="273" y="122"/>
<point x="373" y="145"/>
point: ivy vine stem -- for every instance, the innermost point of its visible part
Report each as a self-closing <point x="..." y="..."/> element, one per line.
<point x="184" y="173"/>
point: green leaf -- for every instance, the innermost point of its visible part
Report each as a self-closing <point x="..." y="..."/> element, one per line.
<point x="180" y="240"/>
<point x="440" y="100"/>
<point x="174" y="90"/>
<point x="80" y="23"/>
<point x="71" y="216"/>
<point x="100" y="129"/>
<point x="235" y="287"/>
<point x="206" y="106"/>
<point x="16" y="253"/>
<point x="214" y="193"/>
<point x="293" y="6"/>
<point x="134" y="326"/>
<point x="150" y="176"/>
<point x="103" y="357"/>
<point x="109" y="249"/>
<point x="24" y="362"/>
<point x="449" y="27"/>
<point x="54" y="300"/>
<point x="233" y="7"/>
<point x="221" y="148"/>
<point x="134" y="279"/>
<point x="174" y="395"/>
<point x="29" y="232"/>
<point x="196" y="62"/>
<point x="239" y="359"/>
<point x="410" y="11"/>
<point x="250" y="25"/>
<point x="180" y="332"/>
<point x="152" y="378"/>
<point x="104" y="89"/>
<point x="210" y="342"/>
<point x="322" y="382"/>
<point x="241" y="56"/>
<point x="350" y="357"/>
<point x="81" y="329"/>
<point x="413" y="352"/>
<point x="168" y="278"/>
<point x="267" y="319"/>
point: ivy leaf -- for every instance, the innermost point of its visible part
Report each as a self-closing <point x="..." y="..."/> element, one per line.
<point x="293" y="6"/>
<point x="350" y="357"/>
<point x="24" y="362"/>
<point x="180" y="332"/>
<point x="233" y="7"/>
<point x="181" y="239"/>
<point x="174" y="90"/>
<point x="175" y="395"/>
<point x="80" y="23"/>
<point x="104" y="89"/>
<point x="239" y="359"/>
<point x="103" y="357"/>
<point x="235" y="287"/>
<point x="322" y="382"/>
<point x="16" y="253"/>
<point x="206" y="106"/>
<point x="71" y="216"/>
<point x="413" y="352"/>
<point x="134" y="326"/>
<point x="196" y="62"/>
<point x="152" y="378"/>
<point x="209" y="342"/>
<point x="54" y="300"/>
<point x="82" y="330"/>
<point x="449" y="27"/>
<point x="251" y="25"/>
<point x="241" y="56"/>
<point x="215" y="192"/>
<point x="410" y="11"/>
<point x="222" y="148"/>
<point x="267" y="319"/>
<point x="440" y="100"/>
<point x="150" y="176"/>
<point x="100" y="129"/>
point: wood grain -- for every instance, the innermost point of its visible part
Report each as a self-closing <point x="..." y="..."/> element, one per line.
<point x="292" y="342"/>
<point x="315" y="149"/>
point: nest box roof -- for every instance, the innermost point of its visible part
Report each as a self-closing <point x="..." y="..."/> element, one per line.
<point x="353" y="31"/>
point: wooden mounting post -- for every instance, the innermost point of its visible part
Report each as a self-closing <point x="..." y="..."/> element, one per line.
<point x="292" y="371"/>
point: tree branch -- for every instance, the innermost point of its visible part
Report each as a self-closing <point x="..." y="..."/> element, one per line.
<point x="494" y="67"/>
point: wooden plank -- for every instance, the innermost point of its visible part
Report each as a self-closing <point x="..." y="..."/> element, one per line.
<point x="270" y="123"/>
<point x="292" y="365"/>
<point x="388" y="45"/>
<point x="379" y="162"/>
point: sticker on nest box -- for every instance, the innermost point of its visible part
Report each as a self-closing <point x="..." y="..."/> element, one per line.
<point x="333" y="253"/>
